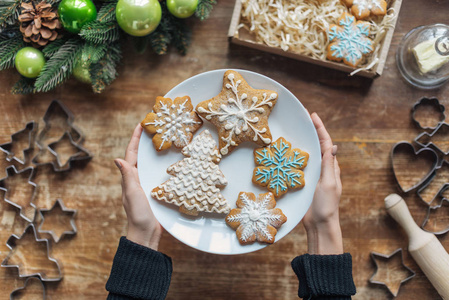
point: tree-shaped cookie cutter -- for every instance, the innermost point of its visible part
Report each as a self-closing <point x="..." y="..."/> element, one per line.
<point x="444" y="202"/>
<point x="17" y="291"/>
<point x="65" y="210"/>
<point x="429" y="102"/>
<point x="384" y="256"/>
<point x="72" y="133"/>
<point x="11" y="243"/>
<point x="9" y="171"/>
<point x="31" y="127"/>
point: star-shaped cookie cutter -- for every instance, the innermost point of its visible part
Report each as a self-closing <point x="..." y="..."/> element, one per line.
<point x="384" y="256"/>
<point x="9" y="171"/>
<point x="31" y="127"/>
<point x="11" y="243"/>
<point x="66" y="211"/>
<point x="17" y="291"/>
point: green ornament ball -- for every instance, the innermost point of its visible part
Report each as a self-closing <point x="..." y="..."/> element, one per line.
<point x="182" y="8"/>
<point x="81" y="73"/>
<point x="76" y="13"/>
<point x="138" y="17"/>
<point x="29" y="62"/>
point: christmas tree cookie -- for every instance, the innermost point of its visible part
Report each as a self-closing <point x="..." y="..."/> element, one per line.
<point x="239" y="112"/>
<point x="362" y="9"/>
<point x="349" y="41"/>
<point x="172" y="122"/>
<point x="196" y="179"/>
<point x="256" y="219"/>
<point x="279" y="167"/>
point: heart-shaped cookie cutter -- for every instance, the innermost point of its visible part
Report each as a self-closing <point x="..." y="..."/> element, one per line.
<point x="429" y="102"/>
<point x="416" y="153"/>
<point x="11" y="243"/>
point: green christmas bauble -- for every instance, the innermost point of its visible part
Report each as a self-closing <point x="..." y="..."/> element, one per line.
<point x="81" y="73"/>
<point x="182" y="8"/>
<point x="29" y="62"/>
<point x="138" y="17"/>
<point x="76" y="13"/>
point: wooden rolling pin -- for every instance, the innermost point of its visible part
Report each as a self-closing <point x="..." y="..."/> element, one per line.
<point x="424" y="247"/>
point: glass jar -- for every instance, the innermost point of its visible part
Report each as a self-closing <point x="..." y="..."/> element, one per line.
<point x="438" y="37"/>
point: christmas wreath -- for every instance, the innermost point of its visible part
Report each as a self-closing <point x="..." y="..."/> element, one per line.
<point x="49" y="40"/>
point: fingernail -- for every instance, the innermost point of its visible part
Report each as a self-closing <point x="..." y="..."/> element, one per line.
<point x="334" y="150"/>
<point x="118" y="164"/>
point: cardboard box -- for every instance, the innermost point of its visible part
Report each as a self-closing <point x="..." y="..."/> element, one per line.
<point x="245" y="38"/>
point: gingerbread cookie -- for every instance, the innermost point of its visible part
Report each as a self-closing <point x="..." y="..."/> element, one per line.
<point x="349" y="40"/>
<point x="256" y="219"/>
<point x="239" y="112"/>
<point x="172" y="122"/>
<point x="362" y="9"/>
<point x="279" y="167"/>
<point x="194" y="187"/>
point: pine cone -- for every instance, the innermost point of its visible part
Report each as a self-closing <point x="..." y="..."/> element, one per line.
<point x="39" y="23"/>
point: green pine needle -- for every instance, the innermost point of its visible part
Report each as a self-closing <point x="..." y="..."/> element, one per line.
<point x="104" y="72"/>
<point x="23" y="86"/>
<point x="9" y="12"/>
<point x="181" y="35"/>
<point x="59" y="67"/>
<point x="53" y="47"/>
<point x="8" y="51"/>
<point x="107" y="12"/>
<point x="100" y="33"/>
<point x="161" y="37"/>
<point x="92" y="53"/>
<point x="204" y="9"/>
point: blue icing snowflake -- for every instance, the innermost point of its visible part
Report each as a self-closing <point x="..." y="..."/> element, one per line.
<point x="349" y="41"/>
<point x="280" y="167"/>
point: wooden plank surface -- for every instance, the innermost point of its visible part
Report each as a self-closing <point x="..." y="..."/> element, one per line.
<point x="364" y="117"/>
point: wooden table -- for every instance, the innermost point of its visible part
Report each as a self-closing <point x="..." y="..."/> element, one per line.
<point x="364" y="117"/>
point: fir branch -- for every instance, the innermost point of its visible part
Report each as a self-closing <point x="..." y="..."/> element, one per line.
<point x="92" y="53"/>
<point x="23" y="86"/>
<point x="99" y="33"/>
<point x="204" y="9"/>
<point x="161" y="37"/>
<point x="104" y="72"/>
<point x="107" y="12"/>
<point x="181" y="35"/>
<point x="8" y="51"/>
<point x="53" y="47"/>
<point x="59" y="67"/>
<point x="9" y="12"/>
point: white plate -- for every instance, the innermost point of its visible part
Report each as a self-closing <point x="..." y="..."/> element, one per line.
<point x="210" y="233"/>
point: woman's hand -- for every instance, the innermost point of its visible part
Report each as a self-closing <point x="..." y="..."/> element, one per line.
<point x="143" y="228"/>
<point x="322" y="221"/>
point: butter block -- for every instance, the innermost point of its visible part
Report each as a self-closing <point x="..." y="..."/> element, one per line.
<point x="427" y="58"/>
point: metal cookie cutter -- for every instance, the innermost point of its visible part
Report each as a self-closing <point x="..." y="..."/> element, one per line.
<point x="407" y="147"/>
<point x="19" y="290"/>
<point x="31" y="128"/>
<point x="66" y="211"/>
<point x="425" y="139"/>
<point x="443" y="186"/>
<point x="10" y="171"/>
<point x="384" y="283"/>
<point x="428" y="102"/>
<point x="11" y="243"/>
<point x="444" y="203"/>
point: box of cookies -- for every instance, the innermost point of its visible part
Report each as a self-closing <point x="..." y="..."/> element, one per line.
<point x="352" y="36"/>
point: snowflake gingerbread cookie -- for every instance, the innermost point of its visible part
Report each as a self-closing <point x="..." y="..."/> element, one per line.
<point x="279" y="167"/>
<point x="349" y="40"/>
<point x="256" y="219"/>
<point x="172" y="122"/>
<point x="362" y="9"/>
<point x="239" y="112"/>
<point x="197" y="178"/>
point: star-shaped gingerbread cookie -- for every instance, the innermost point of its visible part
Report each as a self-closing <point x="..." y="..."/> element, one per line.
<point x="239" y="112"/>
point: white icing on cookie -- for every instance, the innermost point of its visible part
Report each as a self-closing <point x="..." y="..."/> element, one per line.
<point x="195" y="178"/>
<point x="234" y="114"/>
<point x="367" y="5"/>
<point x="173" y="121"/>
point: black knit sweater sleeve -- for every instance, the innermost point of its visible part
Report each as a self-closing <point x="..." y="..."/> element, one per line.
<point x="324" y="277"/>
<point x="138" y="272"/>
